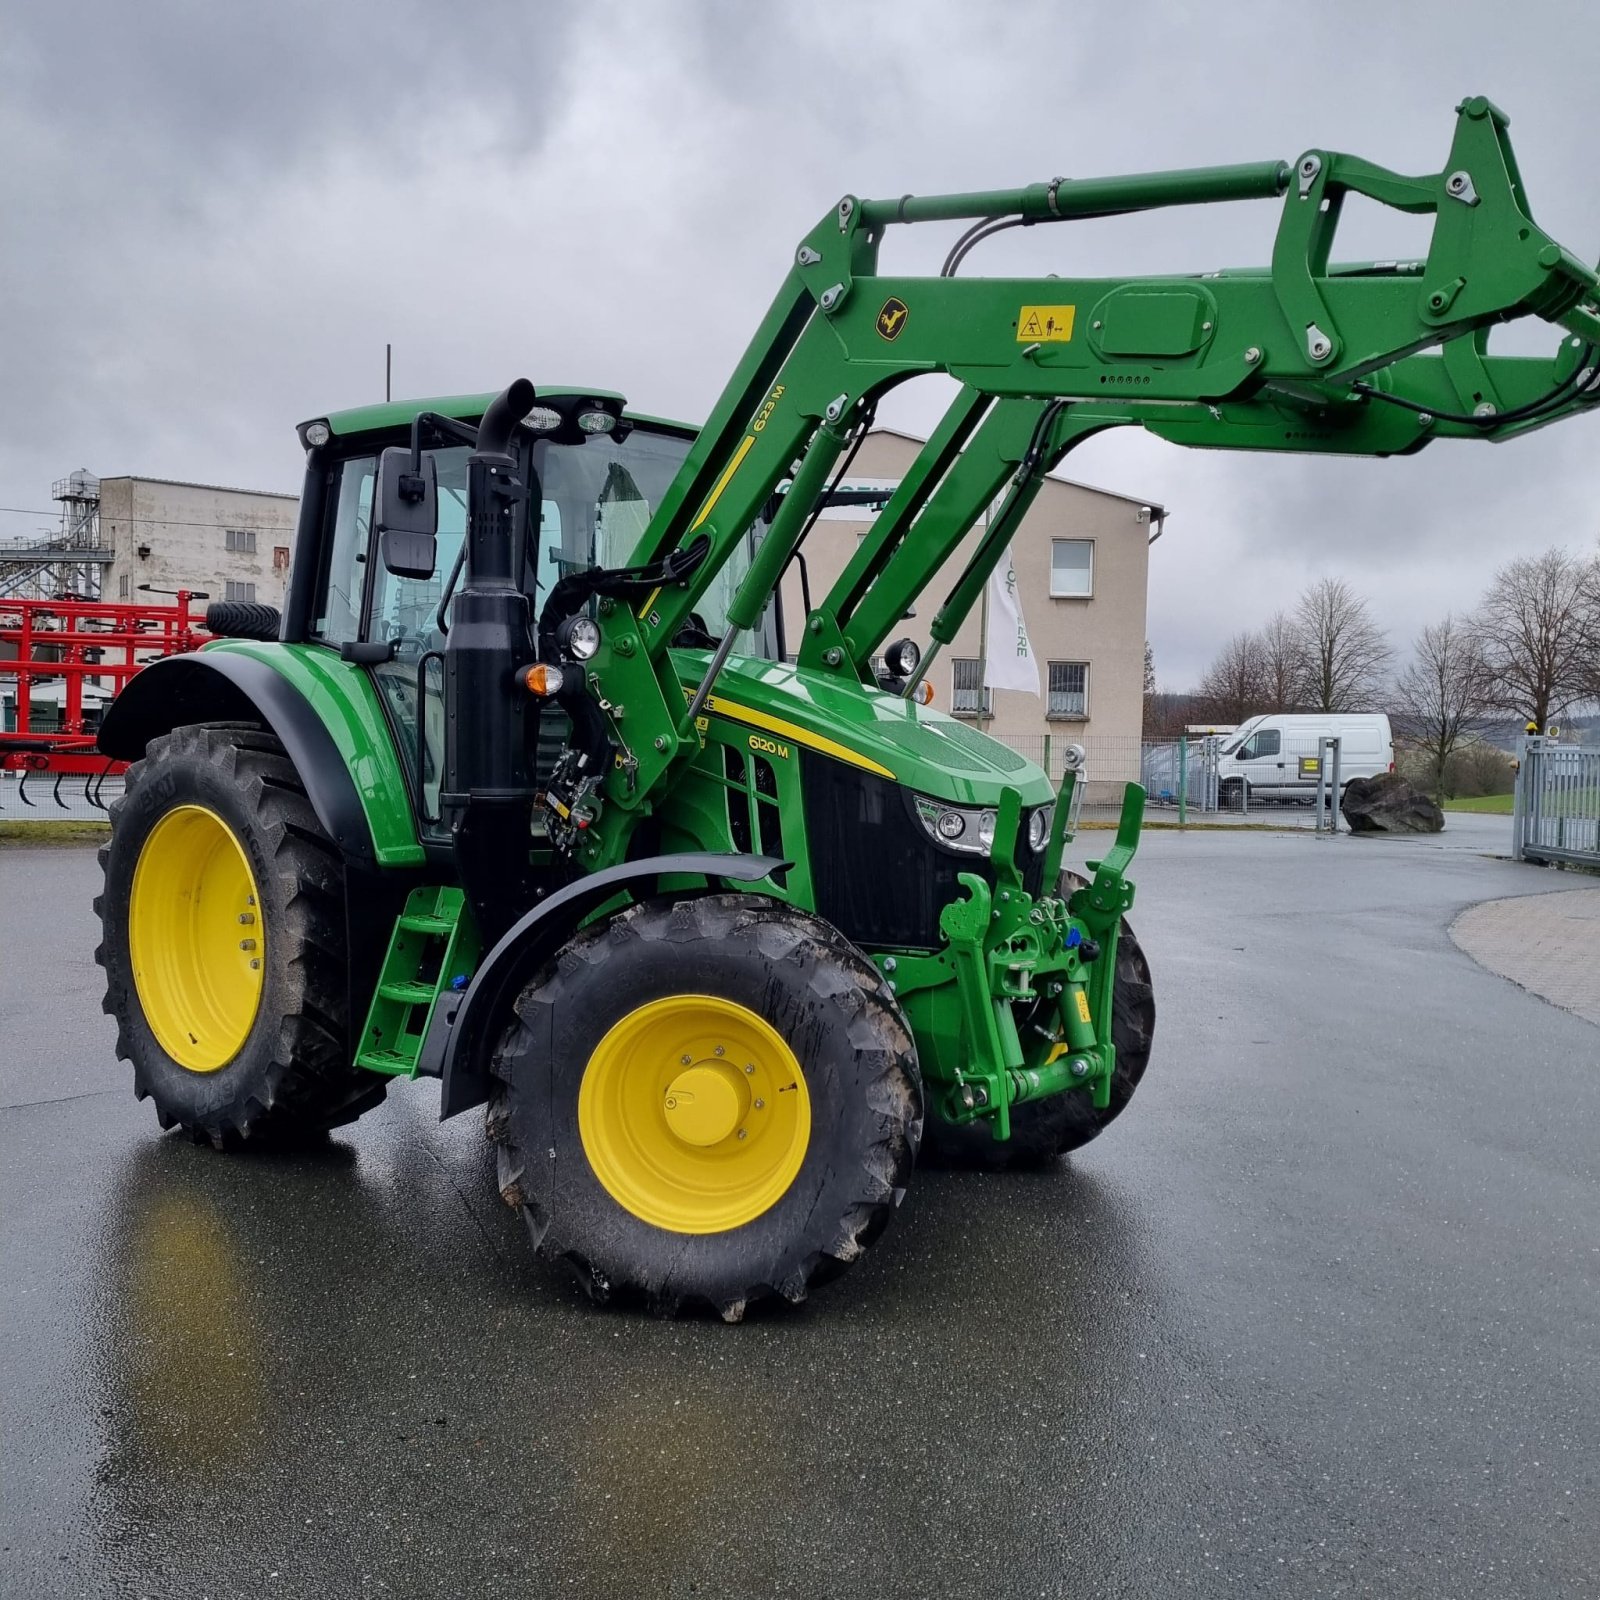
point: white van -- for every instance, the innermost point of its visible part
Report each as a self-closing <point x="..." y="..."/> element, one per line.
<point x="1274" y="757"/>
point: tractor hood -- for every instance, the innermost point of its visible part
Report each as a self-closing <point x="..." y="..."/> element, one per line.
<point x="919" y="747"/>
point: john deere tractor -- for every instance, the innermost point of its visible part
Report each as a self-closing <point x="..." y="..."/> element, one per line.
<point x="535" y="788"/>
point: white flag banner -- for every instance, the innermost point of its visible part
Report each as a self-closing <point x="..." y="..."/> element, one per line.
<point x="1009" y="661"/>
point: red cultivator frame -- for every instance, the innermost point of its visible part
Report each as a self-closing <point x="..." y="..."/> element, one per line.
<point x="77" y="643"/>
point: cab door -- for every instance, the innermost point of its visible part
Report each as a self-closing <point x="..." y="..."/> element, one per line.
<point x="362" y="605"/>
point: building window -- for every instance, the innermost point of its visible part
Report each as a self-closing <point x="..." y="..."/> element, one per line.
<point x="238" y="591"/>
<point x="1069" y="690"/>
<point x="967" y="689"/>
<point x="243" y="540"/>
<point x="280" y="558"/>
<point x="125" y="586"/>
<point x="1071" y="568"/>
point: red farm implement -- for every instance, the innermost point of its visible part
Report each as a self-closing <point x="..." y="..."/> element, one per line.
<point x="61" y="663"/>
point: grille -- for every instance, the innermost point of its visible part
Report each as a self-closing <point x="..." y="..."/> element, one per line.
<point x="876" y="874"/>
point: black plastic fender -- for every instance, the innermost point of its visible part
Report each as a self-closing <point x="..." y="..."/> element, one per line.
<point x="461" y="1035"/>
<point x="224" y="687"/>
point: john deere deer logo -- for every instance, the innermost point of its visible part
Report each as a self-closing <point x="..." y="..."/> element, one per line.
<point x="892" y="318"/>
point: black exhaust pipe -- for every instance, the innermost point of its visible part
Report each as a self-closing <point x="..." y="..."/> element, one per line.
<point x="487" y="793"/>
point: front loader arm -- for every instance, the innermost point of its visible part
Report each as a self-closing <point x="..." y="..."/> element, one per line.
<point x="1303" y="354"/>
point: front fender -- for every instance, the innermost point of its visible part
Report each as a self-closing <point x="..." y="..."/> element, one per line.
<point x="462" y="1034"/>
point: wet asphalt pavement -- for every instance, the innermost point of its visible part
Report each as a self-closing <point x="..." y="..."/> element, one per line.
<point x="1319" y="1316"/>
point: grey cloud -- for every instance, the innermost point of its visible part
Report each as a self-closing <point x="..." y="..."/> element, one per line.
<point x="215" y="217"/>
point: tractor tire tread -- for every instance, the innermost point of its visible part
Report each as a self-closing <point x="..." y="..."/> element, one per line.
<point x="302" y="1082"/>
<point x="840" y="978"/>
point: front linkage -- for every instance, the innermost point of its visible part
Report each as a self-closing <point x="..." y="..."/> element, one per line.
<point x="1018" y="1006"/>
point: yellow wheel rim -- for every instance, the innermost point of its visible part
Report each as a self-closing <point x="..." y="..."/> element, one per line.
<point x="196" y="938"/>
<point x="694" y="1114"/>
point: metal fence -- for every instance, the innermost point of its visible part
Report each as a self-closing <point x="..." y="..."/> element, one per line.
<point x="1555" y="815"/>
<point x="1181" y="778"/>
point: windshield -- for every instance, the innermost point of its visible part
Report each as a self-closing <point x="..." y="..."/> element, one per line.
<point x="595" y="501"/>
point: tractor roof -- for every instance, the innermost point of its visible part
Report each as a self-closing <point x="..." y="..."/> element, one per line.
<point x="398" y="413"/>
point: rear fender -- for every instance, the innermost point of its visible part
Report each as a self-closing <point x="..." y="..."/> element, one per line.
<point x="324" y="711"/>
<point x="226" y="688"/>
<point x="466" y="1027"/>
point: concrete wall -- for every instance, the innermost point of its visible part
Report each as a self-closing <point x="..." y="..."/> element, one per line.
<point x="183" y="527"/>
<point x="1107" y="630"/>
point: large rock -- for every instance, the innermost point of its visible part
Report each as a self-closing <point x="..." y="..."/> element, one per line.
<point x="1388" y="804"/>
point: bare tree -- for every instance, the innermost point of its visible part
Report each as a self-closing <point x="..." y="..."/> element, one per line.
<point x="1536" y="630"/>
<point x="1233" y="687"/>
<point x="1440" y="692"/>
<point x="1282" y="663"/>
<point x="1344" y="654"/>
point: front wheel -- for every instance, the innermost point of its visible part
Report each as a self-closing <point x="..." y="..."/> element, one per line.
<point x="706" y="1102"/>
<point x="223" y="942"/>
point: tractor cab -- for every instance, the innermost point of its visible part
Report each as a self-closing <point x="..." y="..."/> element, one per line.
<point x="596" y="473"/>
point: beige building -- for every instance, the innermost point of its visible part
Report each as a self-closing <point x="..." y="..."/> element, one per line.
<point x="1082" y="559"/>
<point x="233" y="544"/>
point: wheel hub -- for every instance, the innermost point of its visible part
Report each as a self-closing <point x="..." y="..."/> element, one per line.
<point x="707" y="1103"/>
<point x="694" y="1113"/>
<point x="196" y="940"/>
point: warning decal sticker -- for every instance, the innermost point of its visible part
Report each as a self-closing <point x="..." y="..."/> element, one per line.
<point x="1045" y="324"/>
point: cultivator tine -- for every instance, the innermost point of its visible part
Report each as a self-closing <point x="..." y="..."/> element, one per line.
<point x="55" y="792"/>
<point x="22" y="788"/>
<point x="97" y="783"/>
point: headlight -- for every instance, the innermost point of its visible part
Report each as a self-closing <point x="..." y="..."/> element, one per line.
<point x="596" y="421"/>
<point x="902" y="658"/>
<point x="316" y="435"/>
<point x="578" y="637"/>
<point x="964" y="828"/>
<point x="543" y="418"/>
<point x="1039" y="820"/>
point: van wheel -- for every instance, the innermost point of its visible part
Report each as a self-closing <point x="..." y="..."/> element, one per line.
<point x="1230" y="794"/>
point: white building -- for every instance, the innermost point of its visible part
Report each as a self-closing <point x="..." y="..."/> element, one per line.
<point x="1082" y="559"/>
<point x="231" y="544"/>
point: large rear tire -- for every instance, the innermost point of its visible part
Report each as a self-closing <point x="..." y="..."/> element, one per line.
<point x="1042" y="1130"/>
<point x="224" y="942"/>
<point x="706" y="1103"/>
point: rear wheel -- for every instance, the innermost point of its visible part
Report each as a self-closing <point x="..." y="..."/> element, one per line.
<point x="223" y="942"/>
<point x="708" y="1102"/>
<point x="1041" y="1130"/>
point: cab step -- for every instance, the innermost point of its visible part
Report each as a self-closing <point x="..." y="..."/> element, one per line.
<point x="433" y="949"/>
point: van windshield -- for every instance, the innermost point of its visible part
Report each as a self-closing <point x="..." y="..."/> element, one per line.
<point x="1238" y="736"/>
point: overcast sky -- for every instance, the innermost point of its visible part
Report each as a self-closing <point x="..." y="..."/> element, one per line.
<point x="215" y="216"/>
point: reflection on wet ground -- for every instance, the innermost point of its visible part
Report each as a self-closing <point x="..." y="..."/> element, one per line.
<point x="1314" y="1319"/>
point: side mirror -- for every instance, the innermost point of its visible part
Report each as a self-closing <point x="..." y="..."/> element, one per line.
<point x="408" y="514"/>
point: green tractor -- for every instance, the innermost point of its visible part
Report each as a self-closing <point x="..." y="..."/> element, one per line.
<point x="534" y="788"/>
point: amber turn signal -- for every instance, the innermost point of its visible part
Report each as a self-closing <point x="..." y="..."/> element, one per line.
<point x="541" y="679"/>
<point x="923" y="693"/>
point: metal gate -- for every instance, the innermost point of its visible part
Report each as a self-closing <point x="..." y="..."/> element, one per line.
<point x="1556" y="811"/>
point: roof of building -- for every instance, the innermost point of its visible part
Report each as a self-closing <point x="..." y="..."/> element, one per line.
<point x="1157" y="510"/>
<point x="184" y="483"/>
